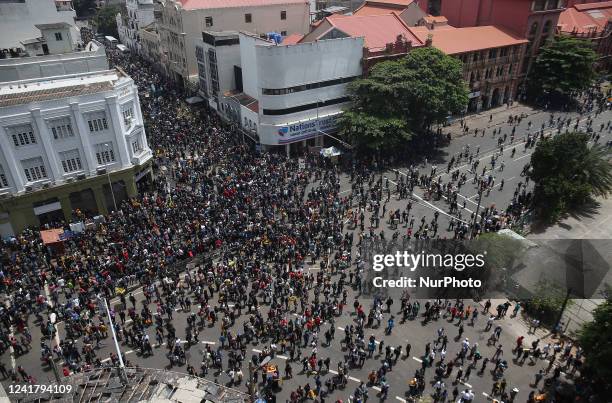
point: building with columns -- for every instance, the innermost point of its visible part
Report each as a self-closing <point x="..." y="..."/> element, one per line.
<point x="67" y="143"/>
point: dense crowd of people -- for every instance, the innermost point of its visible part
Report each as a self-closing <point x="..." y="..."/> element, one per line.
<point x="248" y="222"/>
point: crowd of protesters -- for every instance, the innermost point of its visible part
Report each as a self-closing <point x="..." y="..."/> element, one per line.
<point x="249" y="222"/>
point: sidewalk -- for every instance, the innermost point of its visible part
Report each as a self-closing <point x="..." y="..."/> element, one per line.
<point x="482" y="119"/>
<point x="517" y="325"/>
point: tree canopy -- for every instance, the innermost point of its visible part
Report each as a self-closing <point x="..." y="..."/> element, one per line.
<point x="106" y="21"/>
<point x="595" y="340"/>
<point x="567" y="173"/>
<point x="404" y="97"/>
<point x="564" y="66"/>
<point x="84" y="8"/>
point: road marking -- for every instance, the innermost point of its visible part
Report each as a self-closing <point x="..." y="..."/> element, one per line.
<point x="401" y="399"/>
<point x="486" y="395"/>
<point x="209" y="342"/>
<point x="417" y="359"/>
<point x="466" y="384"/>
<point x="354" y="379"/>
<point x="376" y="388"/>
<point x="333" y="372"/>
<point x="256" y="350"/>
<point x="283" y="357"/>
<point x="340" y="328"/>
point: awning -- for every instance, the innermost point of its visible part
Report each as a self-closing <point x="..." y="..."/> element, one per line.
<point x="194" y="100"/>
<point x="51" y="236"/>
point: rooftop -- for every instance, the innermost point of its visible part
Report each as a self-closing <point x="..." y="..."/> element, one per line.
<point x="451" y="40"/>
<point x="585" y="18"/>
<point x="214" y="4"/>
<point x="47" y="88"/>
<point x="377" y="30"/>
<point x="292" y="39"/>
<point x="55" y="25"/>
<point x="374" y="9"/>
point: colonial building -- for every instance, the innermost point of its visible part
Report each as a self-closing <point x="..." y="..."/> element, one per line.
<point x="69" y="128"/>
<point x="491" y="60"/>
<point x="591" y="22"/>
<point x="137" y="14"/>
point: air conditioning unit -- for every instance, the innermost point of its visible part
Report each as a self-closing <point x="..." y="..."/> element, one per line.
<point x="29" y="188"/>
<point x="101" y="171"/>
<point x="81" y="176"/>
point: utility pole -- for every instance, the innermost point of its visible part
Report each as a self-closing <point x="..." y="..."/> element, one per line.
<point x="121" y="368"/>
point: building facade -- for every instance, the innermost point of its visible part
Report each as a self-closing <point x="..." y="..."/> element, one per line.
<point x="491" y="57"/>
<point x="20" y="17"/>
<point x="183" y="21"/>
<point x="63" y="142"/>
<point x="138" y="14"/>
<point x="591" y="22"/>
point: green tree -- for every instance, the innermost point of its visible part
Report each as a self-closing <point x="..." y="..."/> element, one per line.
<point x="105" y="20"/>
<point x="564" y="66"/>
<point x="84" y="8"/>
<point x="567" y="173"/>
<point x="404" y="97"/>
<point x="595" y="339"/>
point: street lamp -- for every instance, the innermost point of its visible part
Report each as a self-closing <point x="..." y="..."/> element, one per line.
<point x="103" y="304"/>
<point x="108" y="148"/>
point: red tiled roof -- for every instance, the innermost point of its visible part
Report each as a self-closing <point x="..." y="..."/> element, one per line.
<point x="585" y="18"/>
<point x="401" y="3"/>
<point x="377" y="30"/>
<point x="368" y="9"/>
<point x="451" y="40"/>
<point x="203" y="4"/>
<point x="292" y="39"/>
<point x="591" y="6"/>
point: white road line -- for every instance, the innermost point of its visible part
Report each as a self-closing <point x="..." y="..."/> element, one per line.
<point x="256" y="350"/>
<point x="417" y="359"/>
<point x="283" y="357"/>
<point x="340" y="328"/>
<point x="520" y="158"/>
<point x="401" y="399"/>
<point x="333" y="372"/>
<point x="467" y="384"/>
<point x="354" y="379"/>
<point x="209" y="342"/>
<point x="376" y="388"/>
<point x="486" y="395"/>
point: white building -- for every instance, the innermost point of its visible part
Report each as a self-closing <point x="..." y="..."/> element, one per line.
<point x="18" y="19"/>
<point x="288" y="95"/>
<point x="139" y="13"/>
<point x="183" y="21"/>
<point x="62" y="141"/>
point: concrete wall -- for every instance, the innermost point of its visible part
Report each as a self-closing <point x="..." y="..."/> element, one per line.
<point x="294" y="65"/>
<point x="53" y="65"/>
<point x="19" y="19"/>
<point x="191" y="23"/>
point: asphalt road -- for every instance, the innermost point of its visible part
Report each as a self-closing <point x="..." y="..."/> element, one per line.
<point x="414" y="331"/>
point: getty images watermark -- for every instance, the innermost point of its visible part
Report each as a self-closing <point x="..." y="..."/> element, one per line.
<point x="410" y="262"/>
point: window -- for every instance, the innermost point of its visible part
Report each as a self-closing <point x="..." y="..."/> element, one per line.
<point x="283" y="15"/>
<point x="61" y="128"/>
<point x="58" y="36"/>
<point x="104" y="153"/>
<point x="71" y="161"/>
<point x="301" y="108"/>
<point x="539" y="5"/>
<point x="136" y="146"/>
<point x="492" y="53"/>
<point x="546" y="27"/>
<point x="306" y="87"/>
<point x="128" y="114"/>
<point x="97" y="122"/>
<point x="22" y="135"/>
<point x="534" y="29"/>
<point x="284" y="33"/>
<point x="248" y="18"/>
<point x="214" y="73"/>
<point x="3" y="179"/>
<point x="34" y="169"/>
<point x="208" y="21"/>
